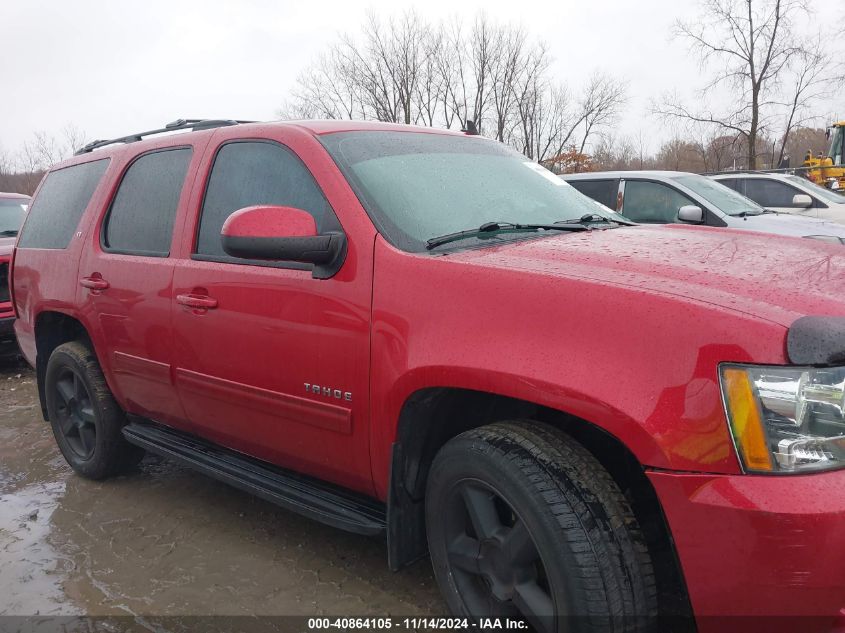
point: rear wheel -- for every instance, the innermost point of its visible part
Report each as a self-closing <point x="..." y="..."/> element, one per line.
<point x="85" y="418"/>
<point x="523" y="522"/>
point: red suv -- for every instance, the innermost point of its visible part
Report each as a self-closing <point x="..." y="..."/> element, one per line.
<point x="13" y="208"/>
<point x="593" y="425"/>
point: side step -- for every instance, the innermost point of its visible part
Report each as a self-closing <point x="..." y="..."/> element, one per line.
<point x="307" y="496"/>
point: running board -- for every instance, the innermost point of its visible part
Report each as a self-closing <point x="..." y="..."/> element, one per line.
<point x="307" y="496"/>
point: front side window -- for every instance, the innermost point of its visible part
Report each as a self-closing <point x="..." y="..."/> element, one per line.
<point x="248" y="173"/>
<point x="652" y="202"/>
<point x="140" y="221"/>
<point x="418" y="186"/>
<point x="721" y="197"/>
<point x="770" y="193"/>
<point x="828" y="195"/>
<point x="12" y="215"/>
<point x="60" y="203"/>
<point x="837" y="145"/>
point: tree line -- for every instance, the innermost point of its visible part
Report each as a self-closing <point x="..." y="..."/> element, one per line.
<point x="409" y="70"/>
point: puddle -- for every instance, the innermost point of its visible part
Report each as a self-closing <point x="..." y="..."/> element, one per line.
<point x="32" y="571"/>
<point x="167" y="549"/>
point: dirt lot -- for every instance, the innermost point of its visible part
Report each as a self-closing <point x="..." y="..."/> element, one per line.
<point x="165" y="541"/>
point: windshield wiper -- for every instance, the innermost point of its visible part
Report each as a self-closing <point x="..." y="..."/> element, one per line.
<point x="495" y="227"/>
<point x="595" y="218"/>
<point x="9" y="233"/>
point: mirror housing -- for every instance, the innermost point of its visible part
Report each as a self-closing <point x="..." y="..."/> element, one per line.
<point x="282" y="234"/>
<point x="802" y="200"/>
<point x="691" y="213"/>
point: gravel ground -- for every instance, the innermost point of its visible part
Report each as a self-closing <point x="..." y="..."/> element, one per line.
<point x="154" y="548"/>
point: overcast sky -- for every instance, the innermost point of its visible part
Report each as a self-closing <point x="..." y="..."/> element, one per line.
<point x="112" y="68"/>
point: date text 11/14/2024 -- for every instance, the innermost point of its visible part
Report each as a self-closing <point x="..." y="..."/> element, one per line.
<point x="418" y="623"/>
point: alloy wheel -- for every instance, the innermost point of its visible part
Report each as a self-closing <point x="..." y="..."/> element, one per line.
<point x="494" y="559"/>
<point x="76" y="414"/>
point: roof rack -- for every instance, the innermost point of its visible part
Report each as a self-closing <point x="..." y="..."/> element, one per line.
<point x="178" y="124"/>
<point x="781" y="170"/>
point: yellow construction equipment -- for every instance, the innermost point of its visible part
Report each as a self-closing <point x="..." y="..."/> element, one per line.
<point x="829" y="170"/>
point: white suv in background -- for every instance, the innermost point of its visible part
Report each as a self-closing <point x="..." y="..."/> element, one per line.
<point x="788" y="194"/>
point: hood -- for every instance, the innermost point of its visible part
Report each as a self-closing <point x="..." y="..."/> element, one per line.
<point x="775" y="278"/>
<point x="7" y="245"/>
<point x="787" y="224"/>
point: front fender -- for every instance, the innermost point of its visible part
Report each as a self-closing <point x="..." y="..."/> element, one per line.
<point x="641" y="365"/>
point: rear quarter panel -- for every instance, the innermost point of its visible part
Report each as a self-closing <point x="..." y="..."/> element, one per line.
<point x="46" y="279"/>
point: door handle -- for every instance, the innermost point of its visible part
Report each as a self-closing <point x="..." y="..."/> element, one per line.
<point x="197" y="301"/>
<point x="94" y="283"/>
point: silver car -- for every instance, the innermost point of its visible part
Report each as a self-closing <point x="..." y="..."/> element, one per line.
<point x="788" y="194"/>
<point x="667" y="197"/>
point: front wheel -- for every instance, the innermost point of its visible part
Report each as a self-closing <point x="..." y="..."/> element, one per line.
<point x="523" y="522"/>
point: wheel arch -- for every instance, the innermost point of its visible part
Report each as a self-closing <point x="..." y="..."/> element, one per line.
<point x="52" y="328"/>
<point x="431" y="416"/>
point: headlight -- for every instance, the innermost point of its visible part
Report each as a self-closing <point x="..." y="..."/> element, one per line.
<point x="826" y="238"/>
<point x="786" y="419"/>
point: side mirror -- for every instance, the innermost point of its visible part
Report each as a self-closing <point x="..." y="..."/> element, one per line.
<point x="691" y="213"/>
<point x="802" y="200"/>
<point x="273" y="233"/>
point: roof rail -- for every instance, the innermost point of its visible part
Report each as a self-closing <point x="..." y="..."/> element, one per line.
<point x="782" y="170"/>
<point x="178" y="124"/>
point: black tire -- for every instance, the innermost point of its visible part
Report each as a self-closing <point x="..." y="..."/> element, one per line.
<point x="523" y="521"/>
<point x="85" y="418"/>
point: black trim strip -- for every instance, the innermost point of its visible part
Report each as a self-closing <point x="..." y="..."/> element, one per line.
<point x="307" y="496"/>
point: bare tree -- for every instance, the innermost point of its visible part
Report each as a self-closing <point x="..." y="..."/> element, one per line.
<point x="603" y="97"/>
<point x="750" y="44"/>
<point x="21" y="172"/>
<point x="44" y="149"/>
<point x="619" y="152"/>
<point x="803" y="140"/>
<point x="406" y="70"/>
<point x="326" y="90"/>
<point x="810" y="80"/>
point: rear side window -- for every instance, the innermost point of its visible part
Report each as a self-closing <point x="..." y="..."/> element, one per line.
<point x="63" y="198"/>
<point x="603" y="191"/>
<point x="140" y="221"/>
<point x="247" y="173"/>
<point x="733" y="183"/>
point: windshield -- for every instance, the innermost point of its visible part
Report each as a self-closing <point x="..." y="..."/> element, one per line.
<point x="836" y="145"/>
<point x="718" y="195"/>
<point x="12" y="214"/>
<point x="817" y="190"/>
<point x="418" y="186"/>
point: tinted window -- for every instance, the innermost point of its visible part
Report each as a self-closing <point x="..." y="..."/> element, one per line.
<point x="733" y="183"/>
<point x="251" y="173"/>
<point x="12" y="214"/>
<point x="652" y="202"/>
<point x="56" y="211"/>
<point x="603" y="191"/>
<point x="141" y="217"/>
<point x="770" y="193"/>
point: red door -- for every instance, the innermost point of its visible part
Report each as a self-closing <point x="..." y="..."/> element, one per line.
<point x="269" y="360"/>
<point x="125" y="283"/>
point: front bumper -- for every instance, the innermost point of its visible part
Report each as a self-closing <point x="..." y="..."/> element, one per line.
<point x="760" y="552"/>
